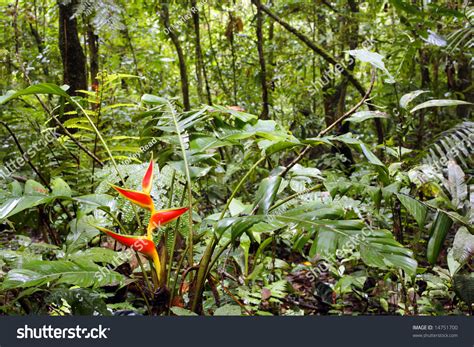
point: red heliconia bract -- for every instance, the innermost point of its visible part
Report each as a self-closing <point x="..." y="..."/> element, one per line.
<point x="148" y="178"/>
<point x="140" y="244"/>
<point x="163" y="217"/>
<point x="141" y="199"/>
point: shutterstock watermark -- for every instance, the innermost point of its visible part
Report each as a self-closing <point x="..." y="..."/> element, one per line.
<point x="14" y="165"/>
<point x="49" y="332"/>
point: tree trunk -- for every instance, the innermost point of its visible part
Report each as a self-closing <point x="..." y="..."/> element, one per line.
<point x="261" y="58"/>
<point x="74" y="61"/>
<point x="200" y="67"/>
<point x="425" y="83"/>
<point x="165" y="17"/>
<point x="93" y="43"/>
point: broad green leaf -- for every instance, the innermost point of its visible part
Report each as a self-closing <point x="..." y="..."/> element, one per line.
<point x="91" y="202"/>
<point x="361" y="116"/>
<point x="374" y="59"/>
<point x="35" y="188"/>
<point x="371" y="157"/>
<point x="267" y="192"/>
<point x="60" y="187"/>
<point x="82" y="231"/>
<point x="228" y="310"/>
<point x="438" y="233"/>
<point x="7" y="206"/>
<point x="28" y="201"/>
<point x="377" y="248"/>
<point x="299" y="170"/>
<point x="243" y="116"/>
<point x="439" y="103"/>
<point x="414" y="207"/>
<point x="153" y="99"/>
<point x="407" y="98"/>
<point x="41" y="88"/>
<point x="236" y="207"/>
<point x="179" y="311"/>
<point x="42" y="272"/>
<point x="96" y="255"/>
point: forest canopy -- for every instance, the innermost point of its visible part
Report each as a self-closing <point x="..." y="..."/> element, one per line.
<point x="236" y="157"/>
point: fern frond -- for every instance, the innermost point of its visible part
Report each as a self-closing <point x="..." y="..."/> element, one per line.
<point x="455" y="144"/>
<point x="105" y="14"/>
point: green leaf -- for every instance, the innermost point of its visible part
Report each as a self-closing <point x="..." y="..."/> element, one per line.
<point x="179" y="311"/>
<point x="374" y="59"/>
<point x="415" y="208"/>
<point x="361" y="116"/>
<point x="96" y="255"/>
<point x="24" y="203"/>
<point x="153" y="99"/>
<point x="438" y="233"/>
<point x="82" y="231"/>
<point x="371" y="157"/>
<point x="463" y="246"/>
<point x="41" y="272"/>
<point x="267" y="192"/>
<point x="60" y="187"/>
<point x="8" y="206"/>
<point x="407" y="98"/>
<point x="41" y="88"/>
<point x="381" y="250"/>
<point x="243" y="116"/>
<point x="377" y="248"/>
<point x="406" y="6"/>
<point x="439" y="103"/>
<point x="464" y="287"/>
<point x="228" y="310"/>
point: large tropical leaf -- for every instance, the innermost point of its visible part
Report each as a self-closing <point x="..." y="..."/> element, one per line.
<point x="438" y="233"/>
<point x="41" y="272"/>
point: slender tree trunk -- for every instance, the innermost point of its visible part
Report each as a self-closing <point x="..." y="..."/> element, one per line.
<point x="199" y="85"/>
<point x="39" y="42"/>
<point x="73" y="58"/>
<point x="128" y="38"/>
<point x="425" y="83"/>
<point x="93" y="43"/>
<point x="230" y="35"/>
<point x="200" y="66"/>
<point x="213" y="52"/>
<point x="261" y="58"/>
<point x="165" y="17"/>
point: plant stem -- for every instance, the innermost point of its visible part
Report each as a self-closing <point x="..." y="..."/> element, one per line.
<point x="188" y="179"/>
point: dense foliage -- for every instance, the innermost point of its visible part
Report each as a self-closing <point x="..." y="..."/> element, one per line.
<point x="307" y="157"/>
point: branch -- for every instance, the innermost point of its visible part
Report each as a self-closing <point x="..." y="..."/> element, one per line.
<point x="326" y="56"/>
<point x="315" y="47"/>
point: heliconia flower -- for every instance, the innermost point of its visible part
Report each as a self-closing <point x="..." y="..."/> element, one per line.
<point x="140" y="244"/>
<point x="141" y="199"/>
